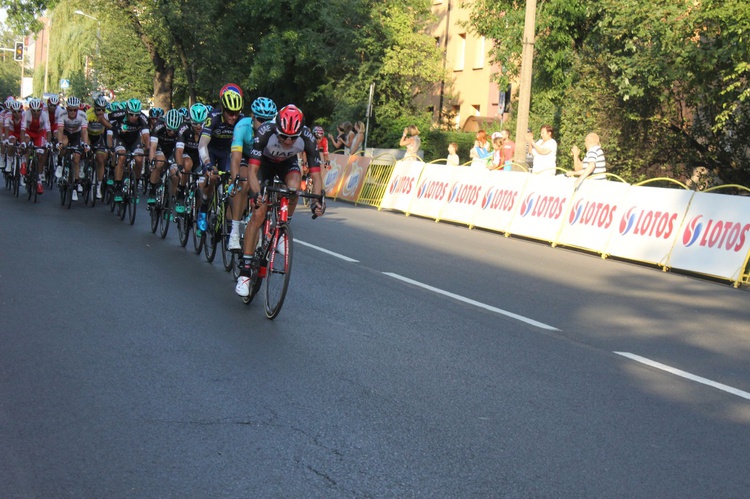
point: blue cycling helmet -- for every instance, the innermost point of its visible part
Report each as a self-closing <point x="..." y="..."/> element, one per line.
<point x="155" y="112"/>
<point x="184" y="112"/>
<point x="198" y="113"/>
<point x="133" y="106"/>
<point x="264" y="109"/>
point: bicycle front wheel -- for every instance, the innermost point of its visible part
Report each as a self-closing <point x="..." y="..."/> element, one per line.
<point x="166" y="211"/>
<point x="133" y="199"/>
<point x="212" y="233"/>
<point x="279" y="271"/>
<point x="226" y="229"/>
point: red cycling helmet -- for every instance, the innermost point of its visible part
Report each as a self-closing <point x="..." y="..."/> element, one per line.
<point x="290" y="121"/>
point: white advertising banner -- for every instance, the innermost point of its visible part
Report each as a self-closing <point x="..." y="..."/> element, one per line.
<point x="539" y="213"/>
<point x="433" y="190"/>
<point x="402" y="186"/>
<point x="714" y="238"/>
<point x="647" y="223"/>
<point x="500" y="200"/>
<point x="465" y="195"/>
<point x="593" y="212"/>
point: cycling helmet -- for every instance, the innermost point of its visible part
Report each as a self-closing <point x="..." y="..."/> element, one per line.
<point x="8" y="103"/>
<point x="264" y="109"/>
<point x="53" y="100"/>
<point x="16" y="106"/>
<point x="134" y="106"/>
<point x="290" y="120"/>
<point x="184" y="112"/>
<point x="100" y="103"/>
<point x="35" y="104"/>
<point x="173" y="119"/>
<point x="231" y="101"/>
<point x="73" y="102"/>
<point x="318" y="132"/>
<point x="198" y="113"/>
<point x="155" y="112"/>
<point x="209" y="108"/>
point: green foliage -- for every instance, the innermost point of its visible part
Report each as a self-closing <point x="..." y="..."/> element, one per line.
<point x="665" y="85"/>
<point x="10" y="70"/>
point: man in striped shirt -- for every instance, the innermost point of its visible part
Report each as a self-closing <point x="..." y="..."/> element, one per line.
<point x="593" y="165"/>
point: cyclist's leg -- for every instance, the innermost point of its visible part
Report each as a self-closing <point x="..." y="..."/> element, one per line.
<point x="239" y="204"/>
<point x="252" y="233"/>
<point x="160" y="162"/>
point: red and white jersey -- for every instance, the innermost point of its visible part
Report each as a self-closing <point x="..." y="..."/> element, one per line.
<point x="13" y="126"/>
<point x="35" y="125"/>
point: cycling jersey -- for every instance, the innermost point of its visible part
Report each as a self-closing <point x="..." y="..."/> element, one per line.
<point x="126" y="131"/>
<point x="188" y="142"/>
<point x="166" y="142"/>
<point x="96" y="127"/>
<point x="219" y="131"/>
<point x="266" y="145"/>
<point x="13" y="125"/>
<point x="242" y="141"/>
<point x="74" y="124"/>
<point x="323" y="145"/>
<point x="36" y="127"/>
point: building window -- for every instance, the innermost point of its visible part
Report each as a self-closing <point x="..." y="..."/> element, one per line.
<point x="460" y="52"/>
<point x="479" y="54"/>
<point x="476" y="109"/>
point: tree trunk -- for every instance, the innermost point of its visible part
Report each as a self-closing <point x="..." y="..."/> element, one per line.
<point x="163" y="80"/>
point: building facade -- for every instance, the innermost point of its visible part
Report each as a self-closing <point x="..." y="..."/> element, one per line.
<point x="468" y="90"/>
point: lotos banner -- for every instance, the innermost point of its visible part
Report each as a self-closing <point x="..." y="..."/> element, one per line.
<point x="433" y="190"/>
<point x="714" y="237"/>
<point x="402" y="186"/>
<point x="354" y="178"/>
<point x="466" y="192"/>
<point x="592" y="215"/>
<point x="500" y="200"/>
<point x="647" y="223"/>
<point x="544" y="201"/>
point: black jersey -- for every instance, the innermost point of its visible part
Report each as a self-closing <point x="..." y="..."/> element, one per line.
<point x="126" y="131"/>
<point x="219" y="131"/>
<point x="266" y="145"/>
<point x="166" y="141"/>
<point x="189" y="139"/>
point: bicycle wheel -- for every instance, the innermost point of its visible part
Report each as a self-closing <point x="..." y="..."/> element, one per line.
<point x="17" y="176"/>
<point x="165" y="202"/>
<point x="34" y="180"/>
<point x="91" y="191"/>
<point x="183" y="229"/>
<point x="279" y="271"/>
<point x="154" y="211"/>
<point x="133" y="204"/>
<point x="227" y="256"/>
<point x="212" y="233"/>
<point x="70" y="186"/>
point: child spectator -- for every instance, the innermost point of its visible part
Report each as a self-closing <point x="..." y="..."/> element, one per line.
<point x="453" y="155"/>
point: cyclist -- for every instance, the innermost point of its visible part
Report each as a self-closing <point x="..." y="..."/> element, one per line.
<point x="263" y="109"/>
<point x="13" y="129"/>
<point x="4" y="114"/>
<point x="274" y="153"/>
<point x="72" y="130"/>
<point x="321" y="143"/>
<point x="154" y="116"/>
<point x="164" y="138"/>
<point x="186" y="152"/>
<point x="35" y="126"/>
<point x="215" y="145"/>
<point x="97" y="138"/>
<point x="128" y="133"/>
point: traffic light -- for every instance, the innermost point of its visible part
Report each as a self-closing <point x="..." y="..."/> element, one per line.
<point x="18" y="54"/>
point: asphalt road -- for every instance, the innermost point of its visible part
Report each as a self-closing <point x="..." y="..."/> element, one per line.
<point x="411" y="359"/>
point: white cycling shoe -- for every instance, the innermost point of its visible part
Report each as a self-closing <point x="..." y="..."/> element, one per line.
<point x="243" y="286"/>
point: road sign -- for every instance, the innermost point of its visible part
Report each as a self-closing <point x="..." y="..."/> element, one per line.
<point x="64" y="84"/>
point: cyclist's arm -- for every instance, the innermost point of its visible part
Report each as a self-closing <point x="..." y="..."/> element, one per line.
<point x="203" y="149"/>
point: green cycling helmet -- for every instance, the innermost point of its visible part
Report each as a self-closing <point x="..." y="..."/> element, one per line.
<point x="133" y="106"/>
<point x="173" y="119"/>
<point x="198" y="113"/>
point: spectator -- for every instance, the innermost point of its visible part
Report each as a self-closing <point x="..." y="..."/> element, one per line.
<point x="480" y="151"/>
<point x="453" y="155"/>
<point x="358" y="138"/>
<point x="544" y="151"/>
<point x="496" y="160"/>
<point x="593" y="165"/>
<point x="410" y="139"/>
<point x="342" y="140"/>
<point x="509" y="149"/>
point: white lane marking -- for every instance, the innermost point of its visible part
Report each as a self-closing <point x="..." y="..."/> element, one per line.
<point x="500" y="311"/>
<point x="328" y="252"/>
<point x="687" y="375"/>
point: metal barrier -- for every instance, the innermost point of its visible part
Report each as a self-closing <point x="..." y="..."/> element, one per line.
<point x="376" y="181"/>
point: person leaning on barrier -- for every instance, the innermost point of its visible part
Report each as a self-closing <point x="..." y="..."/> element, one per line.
<point x="410" y="139"/>
<point x="593" y="164"/>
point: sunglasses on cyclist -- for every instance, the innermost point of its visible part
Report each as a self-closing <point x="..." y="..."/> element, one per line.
<point x="261" y="120"/>
<point x="134" y="114"/>
<point x="99" y="110"/>
<point x="232" y="113"/>
<point x="287" y="137"/>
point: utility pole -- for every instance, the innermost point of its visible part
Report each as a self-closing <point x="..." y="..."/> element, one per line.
<point x="524" y="94"/>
